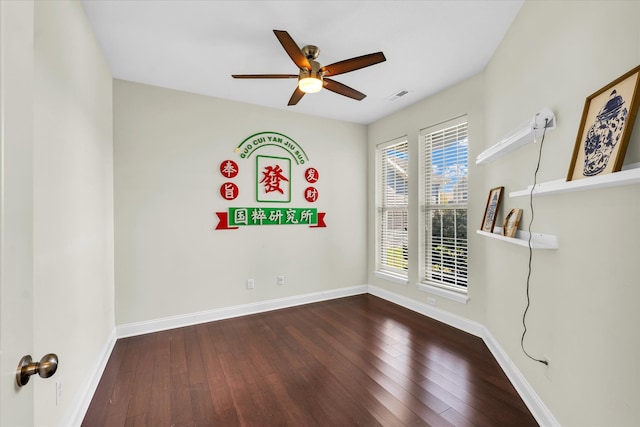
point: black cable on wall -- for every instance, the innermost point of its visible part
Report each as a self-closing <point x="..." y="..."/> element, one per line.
<point x="524" y="315"/>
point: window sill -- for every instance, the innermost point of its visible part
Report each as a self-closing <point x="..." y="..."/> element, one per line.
<point x="444" y="293"/>
<point x="392" y="277"/>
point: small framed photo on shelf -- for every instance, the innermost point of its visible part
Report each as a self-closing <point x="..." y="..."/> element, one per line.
<point x="605" y="128"/>
<point x="491" y="211"/>
<point x="511" y="222"/>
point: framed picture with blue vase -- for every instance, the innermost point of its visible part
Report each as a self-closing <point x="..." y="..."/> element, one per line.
<point x="605" y="128"/>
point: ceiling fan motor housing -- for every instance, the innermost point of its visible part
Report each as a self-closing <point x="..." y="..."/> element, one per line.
<point x="314" y="72"/>
<point x="310" y="51"/>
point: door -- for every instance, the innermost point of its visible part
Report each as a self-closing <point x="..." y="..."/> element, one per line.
<point x="16" y="208"/>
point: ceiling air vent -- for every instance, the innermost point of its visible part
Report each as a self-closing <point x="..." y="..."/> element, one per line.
<point x="397" y="96"/>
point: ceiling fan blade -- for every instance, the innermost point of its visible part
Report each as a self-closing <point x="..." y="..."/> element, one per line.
<point x="342" y="89"/>
<point x="264" y="76"/>
<point x="353" y="64"/>
<point x="297" y="96"/>
<point x="292" y="49"/>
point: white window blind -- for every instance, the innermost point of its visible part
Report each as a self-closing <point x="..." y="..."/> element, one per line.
<point x="444" y="205"/>
<point x="392" y="207"/>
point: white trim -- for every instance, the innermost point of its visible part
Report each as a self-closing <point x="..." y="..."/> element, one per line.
<point x="538" y="409"/>
<point x="395" y="141"/>
<point x="443" y="316"/>
<point x="385" y="199"/>
<point x="162" y="324"/>
<point x="444" y="293"/>
<point x="426" y="204"/>
<point x="403" y="280"/>
<point x="82" y="399"/>
<point x="455" y="121"/>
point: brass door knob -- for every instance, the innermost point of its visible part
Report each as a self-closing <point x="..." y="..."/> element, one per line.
<point x="46" y="367"/>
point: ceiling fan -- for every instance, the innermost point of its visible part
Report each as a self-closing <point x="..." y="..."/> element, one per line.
<point x="312" y="76"/>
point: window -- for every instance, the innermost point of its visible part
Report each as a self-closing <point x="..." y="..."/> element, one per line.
<point x="444" y="166"/>
<point x="392" y="208"/>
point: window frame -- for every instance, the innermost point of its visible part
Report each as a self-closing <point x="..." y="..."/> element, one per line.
<point x="453" y="291"/>
<point x="383" y="269"/>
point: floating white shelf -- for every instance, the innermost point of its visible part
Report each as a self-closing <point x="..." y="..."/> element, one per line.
<point x="538" y="240"/>
<point x="629" y="175"/>
<point x="523" y="134"/>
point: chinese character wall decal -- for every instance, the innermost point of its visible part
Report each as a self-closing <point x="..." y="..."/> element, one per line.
<point x="229" y="168"/>
<point x="273" y="183"/>
<point x="273" y="179"/>
<point x="311" y="194"/>
<point x="311" y="175"/>
<point x="229" y="191"/>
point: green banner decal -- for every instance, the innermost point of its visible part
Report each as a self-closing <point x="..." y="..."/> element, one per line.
<point x="272" y="216"/>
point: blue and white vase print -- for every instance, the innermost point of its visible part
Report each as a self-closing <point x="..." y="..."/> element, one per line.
<point x="604" y="135"/>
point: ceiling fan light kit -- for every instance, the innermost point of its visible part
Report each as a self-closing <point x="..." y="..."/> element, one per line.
<point x="310" y="81"/>
<point x="310" y="84"/>
<point x="311" y="76"/>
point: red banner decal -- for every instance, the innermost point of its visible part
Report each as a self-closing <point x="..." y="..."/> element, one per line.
<point x="320" y="223"/>
<point x="224" y="221"/>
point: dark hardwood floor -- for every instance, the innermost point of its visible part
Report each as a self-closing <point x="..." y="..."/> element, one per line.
<point x="353" y="361"/>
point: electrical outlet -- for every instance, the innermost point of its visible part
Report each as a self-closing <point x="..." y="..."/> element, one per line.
<point x="547" y="367"/>
<point x="280" y="280"/>
<point x="250" y="284"/>
<point x="431" y="301"/>
<point x="58" y="390"/>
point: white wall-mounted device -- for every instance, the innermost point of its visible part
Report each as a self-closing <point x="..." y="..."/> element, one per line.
<point x="523" y="134"/>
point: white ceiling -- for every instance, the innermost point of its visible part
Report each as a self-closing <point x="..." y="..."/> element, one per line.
<point x="195" y="46"/>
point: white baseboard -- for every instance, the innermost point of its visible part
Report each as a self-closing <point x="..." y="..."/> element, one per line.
<point x="458" y="322"/>
<point x="163" y="324"/>
<point x="540" y="412"/>
<point x="538" y="409"/>
<point x="82" y="399"/>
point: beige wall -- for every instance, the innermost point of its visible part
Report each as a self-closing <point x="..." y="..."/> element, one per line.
<point x="583" y="315"/>
<point x="72" y="205"/>
<point x="170" y="260"/>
